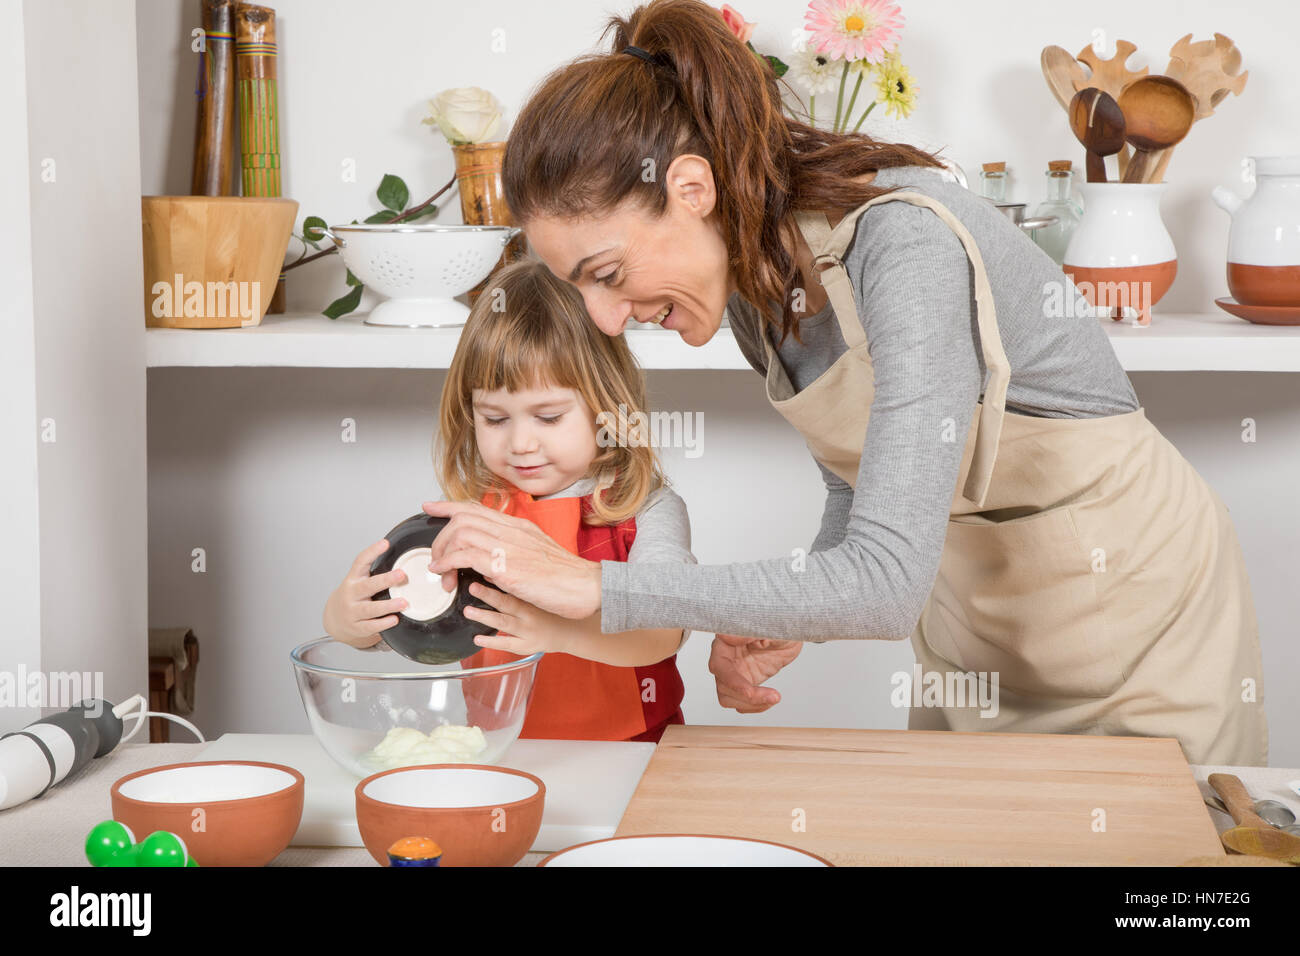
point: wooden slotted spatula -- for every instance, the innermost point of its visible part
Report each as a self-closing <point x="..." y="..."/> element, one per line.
<point x="1252" y="834"/>
<point x="1210" y="69"/>
<point x="1112" y="76"/>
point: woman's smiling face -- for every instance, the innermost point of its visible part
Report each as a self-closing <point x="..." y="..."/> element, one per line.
<point x="633" y="264"/>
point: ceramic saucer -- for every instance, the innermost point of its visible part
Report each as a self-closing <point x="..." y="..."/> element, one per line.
<point x="1261" y="314"/>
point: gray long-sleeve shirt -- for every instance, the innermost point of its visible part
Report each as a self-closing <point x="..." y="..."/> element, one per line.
<point x="875" y="558"/>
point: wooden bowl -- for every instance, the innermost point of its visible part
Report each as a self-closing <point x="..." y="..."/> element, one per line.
<point x="195" y="247"/>
<point x="250" y="810"/>
<point x="479" y="815"/>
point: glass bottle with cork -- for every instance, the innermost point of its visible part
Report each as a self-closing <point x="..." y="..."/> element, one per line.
<point x="1055" y="238"/>
<point x="993" y="182"/>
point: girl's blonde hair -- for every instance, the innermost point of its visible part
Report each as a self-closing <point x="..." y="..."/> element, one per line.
<point x="529" y="329"/>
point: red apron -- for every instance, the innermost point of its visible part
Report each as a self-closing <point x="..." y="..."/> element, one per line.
<point x="574" y="698"/>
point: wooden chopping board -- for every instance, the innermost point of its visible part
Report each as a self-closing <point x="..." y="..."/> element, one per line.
<point x="915" y="797"/>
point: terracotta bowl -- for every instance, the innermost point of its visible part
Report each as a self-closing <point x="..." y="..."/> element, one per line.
<point x="682" y="849"/>
<point x="251" y="810"/>
<point x="479" y="815"/>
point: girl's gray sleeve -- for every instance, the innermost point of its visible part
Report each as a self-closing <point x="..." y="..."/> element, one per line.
<point x="663" y="530"/>
<point x="915" y="299"/>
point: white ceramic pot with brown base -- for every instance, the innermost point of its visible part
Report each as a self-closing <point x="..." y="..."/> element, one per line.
<point x="1121" y="257"/>
<point x="1264" y="240"/>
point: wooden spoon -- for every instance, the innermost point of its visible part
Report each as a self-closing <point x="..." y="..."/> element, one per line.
<point x="1158" y="112"/>
<point x="1251" y="834"/>
<point x="1098" y="123"/>
<point x="1210" y="69"/>
<point x="1064" y="75"/>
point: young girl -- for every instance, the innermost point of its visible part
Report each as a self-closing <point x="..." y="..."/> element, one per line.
<point x="519" y="432"/>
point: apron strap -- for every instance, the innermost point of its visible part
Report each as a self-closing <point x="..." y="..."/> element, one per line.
<point x="828" y="245"/>
<point x="835" y="279"/>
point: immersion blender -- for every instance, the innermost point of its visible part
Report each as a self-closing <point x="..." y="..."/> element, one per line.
<point x="45" y="751"/>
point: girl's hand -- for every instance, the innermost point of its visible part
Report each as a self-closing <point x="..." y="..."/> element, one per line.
<point x="525" y="629"/>
<point x="516" y="555"/>
<point x="350" y="616"/>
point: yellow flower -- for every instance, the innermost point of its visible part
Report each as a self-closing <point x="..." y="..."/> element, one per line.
<point x="896" y="88"/>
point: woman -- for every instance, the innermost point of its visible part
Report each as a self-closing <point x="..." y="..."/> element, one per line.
<point x="1032" y="533"/>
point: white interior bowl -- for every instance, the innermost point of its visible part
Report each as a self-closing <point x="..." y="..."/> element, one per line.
<point x="206" y="783"/>
<point x="458" y="787"/>
<point x="420" y="269"/>
<point x="678" y="850"/>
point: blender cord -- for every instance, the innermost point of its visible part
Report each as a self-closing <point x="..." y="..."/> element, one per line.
<point x="125" y="709"/>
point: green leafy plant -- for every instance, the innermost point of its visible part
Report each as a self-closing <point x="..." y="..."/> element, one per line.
<point x="393" y="195"/>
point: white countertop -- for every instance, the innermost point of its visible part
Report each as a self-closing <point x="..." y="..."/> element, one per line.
<point x="51" y="831"/>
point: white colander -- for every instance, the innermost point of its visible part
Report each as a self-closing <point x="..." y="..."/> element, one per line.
<point x="421" y="269"/>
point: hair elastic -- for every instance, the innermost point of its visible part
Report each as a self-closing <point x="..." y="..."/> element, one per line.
<point x="654" y="59"/>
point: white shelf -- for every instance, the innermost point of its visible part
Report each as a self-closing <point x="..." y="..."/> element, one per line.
<point x="1212" y="342"/>
<point x="313" y="341"/>
<point x="1173" y="342"/>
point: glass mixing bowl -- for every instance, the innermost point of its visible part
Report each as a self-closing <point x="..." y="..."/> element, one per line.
<point x="375" y="710"/>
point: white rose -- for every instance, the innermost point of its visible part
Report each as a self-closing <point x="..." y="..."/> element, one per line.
<point x="465" y="115"/>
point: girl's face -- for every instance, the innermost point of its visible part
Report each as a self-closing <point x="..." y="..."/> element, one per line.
<point x="540" y="440"/>
<point x="630" y="264"/>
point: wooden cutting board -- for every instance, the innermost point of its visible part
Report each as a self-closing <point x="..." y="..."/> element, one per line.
<point x="915" y="797"/>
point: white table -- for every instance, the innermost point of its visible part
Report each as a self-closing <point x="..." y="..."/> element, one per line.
<point x="51" y="831"/>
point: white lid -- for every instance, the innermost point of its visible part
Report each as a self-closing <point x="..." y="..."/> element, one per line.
<point x="423" y="589"/>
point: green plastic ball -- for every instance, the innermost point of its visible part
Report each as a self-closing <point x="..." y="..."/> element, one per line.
<point x="128" y="857"/>
<point x="106" y="840"/>
<point x="161" y="848"/>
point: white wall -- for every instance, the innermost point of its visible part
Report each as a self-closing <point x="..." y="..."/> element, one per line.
<point x="73" y="346"/>
<point x="20" y="640"/>
<point x="249" y="465"/>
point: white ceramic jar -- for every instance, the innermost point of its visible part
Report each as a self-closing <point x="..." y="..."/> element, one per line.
<point x="1121" y="256"/>
<point x="1264" y="239"/>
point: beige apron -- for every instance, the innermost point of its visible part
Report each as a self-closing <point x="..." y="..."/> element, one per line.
<point x="1093" y="574"/>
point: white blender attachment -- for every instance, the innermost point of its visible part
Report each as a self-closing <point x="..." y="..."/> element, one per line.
<point x="46" y="751"/>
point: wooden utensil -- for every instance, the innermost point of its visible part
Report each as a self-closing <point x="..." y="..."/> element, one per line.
<point x="259" y="111"/>
<point x="899" y="797"/>
<point x="1210" y="69"/>
<point x="1158" y="112"/>
<point x="1251" y="834"/>
<point x="1098" y="123"/>
<point x="214" y="130"/>
<point x="1112" y="76"/>
<point x="1064" y="75"/>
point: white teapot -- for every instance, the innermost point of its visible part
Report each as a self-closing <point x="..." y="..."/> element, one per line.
<point x="1264" y="241"/>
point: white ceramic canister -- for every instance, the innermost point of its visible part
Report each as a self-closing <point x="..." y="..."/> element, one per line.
<point x="1121" y="256"/>
<point x="1264" y="239"/>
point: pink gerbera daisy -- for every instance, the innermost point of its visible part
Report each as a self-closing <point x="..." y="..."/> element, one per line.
<point x="854" y="29"/>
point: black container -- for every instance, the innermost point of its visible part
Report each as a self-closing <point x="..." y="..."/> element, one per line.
<point x="444" y="639"/>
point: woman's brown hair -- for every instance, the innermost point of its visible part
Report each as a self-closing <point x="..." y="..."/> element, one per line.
<point x="526" y="330"/>
<point x="582" y="143"/>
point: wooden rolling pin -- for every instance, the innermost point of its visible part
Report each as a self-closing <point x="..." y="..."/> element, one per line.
<point x="214" y="129"/>
<point x="1252" y="834"/>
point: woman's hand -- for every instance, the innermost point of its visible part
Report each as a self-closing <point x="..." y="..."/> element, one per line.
<point x="350" y="616"/>
<point x="524" y="628"/>
<point x="740" y="664"/>
<point x="516" y="556"/>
